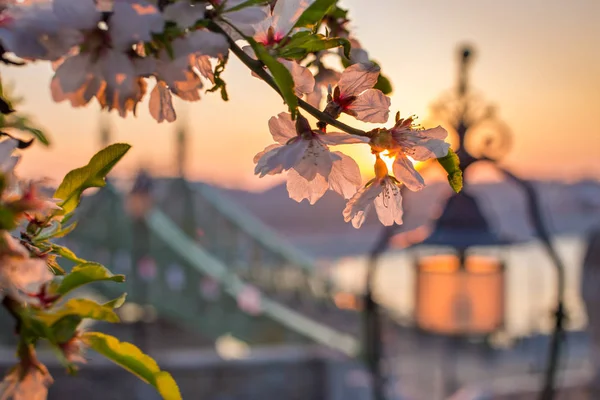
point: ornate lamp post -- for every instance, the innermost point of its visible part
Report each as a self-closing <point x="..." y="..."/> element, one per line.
<point x="481" y="138"/>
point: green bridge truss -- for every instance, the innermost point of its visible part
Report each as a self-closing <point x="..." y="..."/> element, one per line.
<point x="204" y="263"/>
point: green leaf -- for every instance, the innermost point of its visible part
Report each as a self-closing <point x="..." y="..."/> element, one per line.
<point x="64" y="329"/>
<point x="92" y="175"/>
<point x="23" y="123"/>
<point x="86" y="273"/>
<point x="66" y="253"/>
<point x="281" y="76"/>
<point x="302" y="44"/>
<point x="383" y="84"/>
<point x="135" y="361"/>
<point x="82" y="308"/>
<point x="55" y="231"/>
<point x="116" y="303"/>
<point x="315" y="13"/>
<point x="7" y="219"/>
<point x="451" y="164"/>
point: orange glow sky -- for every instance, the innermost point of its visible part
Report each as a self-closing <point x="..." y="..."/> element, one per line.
<point x="538" y="61"/>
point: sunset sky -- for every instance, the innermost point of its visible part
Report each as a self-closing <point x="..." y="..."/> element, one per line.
<point x="537" y="60"/>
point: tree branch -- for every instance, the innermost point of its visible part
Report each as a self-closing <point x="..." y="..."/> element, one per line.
<point x="257" y="67"/>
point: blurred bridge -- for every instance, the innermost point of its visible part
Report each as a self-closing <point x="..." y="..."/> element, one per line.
<point x="203" y="263"/>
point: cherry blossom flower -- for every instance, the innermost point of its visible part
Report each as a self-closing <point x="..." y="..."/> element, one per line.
<point x="32" y="31"/>
<point x="74" y="349"/>
<point x="383" y="193"/>
<point x="20" y="275"/>
<point x="175" y="73"/>
<point x="277" y="26"/>
<point x="354" y="95"/>
<point x="186" y="13"/>
<point x="26" y="381"/>
<point x="313" y="168"/>
<point x="27" y="198"/>
<point x="104" y="67"/>
<point x="419" y="144"/>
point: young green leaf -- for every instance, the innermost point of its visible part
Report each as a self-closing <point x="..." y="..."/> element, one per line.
<point x="22" y="123"/>
<point x="92" y="175"/>
<point x="82" y="308"/>
<point x="66" y="253"/>
<point x="301" y="44"/>
<point x="86" y="273"/>
<point x="54" y="231"/>
<point x="451" y="164"/>
<point x="383" y="84"/>
<point x="132" y="359"/>
<point x="116" y="303"/>
<point x="315" y="13"/>
<point x="64" y="328"/>
<point x="281" y="76"/>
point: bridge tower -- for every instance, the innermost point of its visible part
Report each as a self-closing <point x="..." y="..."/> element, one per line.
<point x="180" y="148"/>
<point x="105" y="137"/>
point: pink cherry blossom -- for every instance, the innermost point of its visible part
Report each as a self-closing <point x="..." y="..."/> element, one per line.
<point x="104" y="66"/>
<point x="420" y="145"/>
<point x="305" y="153"/>
<point x="354" y="95"/>
<point x="277" y="26"/>
<point x="26" y="381"/>
<point x="20" y="275"/>
<point x="74" y="349"/>
<point x="279" y="21"/>
<point x="383" y="193"/>
<point x="32" y="31"/>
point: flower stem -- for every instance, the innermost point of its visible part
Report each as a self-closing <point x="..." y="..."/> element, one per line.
<point x="257" y="67"/>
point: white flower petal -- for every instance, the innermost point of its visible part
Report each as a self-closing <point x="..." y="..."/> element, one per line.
<point x="359" y="205"/>
<point x="261" y="29"/>
<point x="357" y="78"/>
<point x="259" y="155"/>
<point x="73" y="73"/>
<point x="29" y="274"/>
<point x="202" y="63"/>
<point x="81" y="14"/>
<point x="161" y="103"/>
<point x="314" y="98"/>
<point x="245" y="18"/>
<point x="304" y="81"/>
<point x="286" y="14"/>
<point x="388" y="204"/>
<point x="370" y="106"/>
<point x="405" y="172"/>
<point x="282" y="128"/>
<point x="423" y="145"/>
<point x="208" y="43"/>
<point x="133" y="21"/>
<point x="316" y="160"/>
<point x="281" y="158"/>
<point x="345" y="176"/>
<point x="299" y="188"/>
<point x="184" y="13"/>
